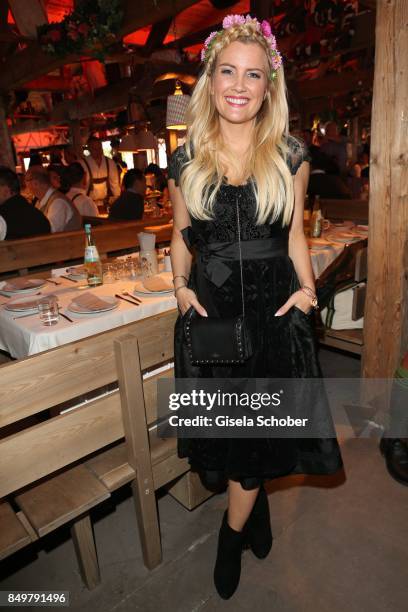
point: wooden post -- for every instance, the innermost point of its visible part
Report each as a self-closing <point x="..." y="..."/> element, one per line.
<point x="6" y="149"/>
<point x="354" y="138"/>
<point x="75" y="129"/>
<point x="171" y="141"/>
<point x="385" y="328"/>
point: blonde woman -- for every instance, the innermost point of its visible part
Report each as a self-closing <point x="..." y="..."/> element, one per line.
<point x="238" y="153"/>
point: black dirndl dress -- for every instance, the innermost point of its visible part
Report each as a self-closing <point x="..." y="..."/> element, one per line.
<point x="284" y="347"/>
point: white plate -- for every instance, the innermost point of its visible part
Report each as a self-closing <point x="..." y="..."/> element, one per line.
<point x="76" y="273"/>
<point x="141" y="289"/>
<point x="19" y="304"/>
<point x="113" y="303"/>
<point x="39" y="282"/>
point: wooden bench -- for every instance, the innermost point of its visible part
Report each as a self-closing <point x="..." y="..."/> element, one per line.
<point x="19" y="255"/>
<point x="351" y="265"/>
<point x="54" y="471"/>
<point x="345" y="210"/>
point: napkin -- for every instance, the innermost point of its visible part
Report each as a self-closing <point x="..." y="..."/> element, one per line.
<point x="147" y="241"/>
<point x="89" y="301"/>
<point x="21" y="283"/>
<point x="157" y="283"/>
<point x="17" y="304"/>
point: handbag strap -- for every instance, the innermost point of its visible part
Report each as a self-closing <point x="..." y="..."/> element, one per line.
<point x="240" y="259"/>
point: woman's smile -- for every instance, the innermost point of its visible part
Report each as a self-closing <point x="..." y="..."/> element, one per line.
<point x="235" y="101"/>
<point x="239" y="82"/>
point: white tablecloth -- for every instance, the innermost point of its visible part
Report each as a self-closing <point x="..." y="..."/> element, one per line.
<point x="27" y="336"/>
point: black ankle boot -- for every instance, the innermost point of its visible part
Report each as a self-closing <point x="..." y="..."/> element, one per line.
<point x="258" y="533"/>
<point x="227" y="569"/>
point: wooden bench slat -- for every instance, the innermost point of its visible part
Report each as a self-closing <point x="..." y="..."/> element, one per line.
<point x="59" y="499"/>
<point x="112" y="467"/>
<point x="13" y="535"/>
<point x="58" y="442"/>
<point x="150" y="394"/>
<point x="45" y="380"/>
<point x="165" y="471"/>
<point x="67" y="246"/>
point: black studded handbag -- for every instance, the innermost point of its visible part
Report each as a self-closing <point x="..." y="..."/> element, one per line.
<point x="215" y="340"/>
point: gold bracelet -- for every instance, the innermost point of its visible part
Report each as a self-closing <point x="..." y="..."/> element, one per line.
<point x="179" y="276"/>
<point x="313" y="297"/>
<point x="181" y="287"/>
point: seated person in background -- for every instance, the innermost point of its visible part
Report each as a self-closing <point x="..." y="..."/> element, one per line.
<point x="76" y="177"/>
<point x="131" y="203"/>
<point x="60" y="212"/>
<point x="335" y="147"/>
<point x="157" y="180"/>
<point x="18" y="218"/>
<point x="322" y="182"/>
<point x="58" y="177"/>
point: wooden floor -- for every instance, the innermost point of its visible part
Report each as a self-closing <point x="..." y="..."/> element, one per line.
<point x="340" y="543"/>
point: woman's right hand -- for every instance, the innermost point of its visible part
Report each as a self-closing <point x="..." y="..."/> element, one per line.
<point x="187" y="298"/>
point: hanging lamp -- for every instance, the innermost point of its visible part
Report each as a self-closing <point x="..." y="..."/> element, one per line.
<point x="177" y="105"/>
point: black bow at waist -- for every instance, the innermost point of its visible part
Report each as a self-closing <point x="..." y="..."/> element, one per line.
<point x="211" y="257"/>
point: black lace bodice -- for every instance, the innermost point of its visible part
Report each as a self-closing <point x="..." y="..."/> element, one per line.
<point x="223" y="227"/>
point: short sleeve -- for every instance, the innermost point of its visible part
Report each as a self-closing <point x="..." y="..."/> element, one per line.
<point x="297" y="154"/>
<point x="176" y="163"/>
<point x="3" y="228"/>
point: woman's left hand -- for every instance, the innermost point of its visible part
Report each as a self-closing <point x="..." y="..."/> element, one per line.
<point x="298" y="299"/>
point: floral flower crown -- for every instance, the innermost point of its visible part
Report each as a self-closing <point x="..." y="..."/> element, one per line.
<point x="263" y="28"/>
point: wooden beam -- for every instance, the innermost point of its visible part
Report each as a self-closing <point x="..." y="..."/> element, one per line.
<point x="28" y="15"/>
<point x="6" y="149"/>
<point x="3" y="16"/>
<point x="261" y="9"/>
<point x="157" y="35"/>
<point x="32" y="63"/>
<point x="141" y="13"/>
<point x="332" y="84"/>
<point x="48" y="83"/>
<point x="386" y="312"/>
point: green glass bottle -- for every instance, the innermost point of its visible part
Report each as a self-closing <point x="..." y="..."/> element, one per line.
<point x="92" y="262"/>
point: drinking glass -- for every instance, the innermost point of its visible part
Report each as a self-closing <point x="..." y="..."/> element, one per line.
<point x="48" y="311"/>
<point x="131" y="267"/>
<point x="109" y="273"/>
<point x="120" y="269"/>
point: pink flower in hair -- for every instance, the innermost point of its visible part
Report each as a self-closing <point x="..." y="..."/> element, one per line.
<point x="276" y="60"/>
<point x="266" y="29"/>
<point x="272" y="42"/>
<point x="231" y="20"/>
<point x="207" y="43"/>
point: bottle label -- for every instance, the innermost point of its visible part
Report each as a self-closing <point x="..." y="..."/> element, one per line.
<point x="91" y="254"/>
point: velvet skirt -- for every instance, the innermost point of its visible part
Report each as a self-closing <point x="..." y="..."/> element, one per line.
<point x="283" y="347"/>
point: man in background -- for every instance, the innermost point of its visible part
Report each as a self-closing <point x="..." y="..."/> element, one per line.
<point x="335" y="147"/>
<point x="77" y="193"/>
<point x="130" y="204"/>
<point x="102" y="177"/>
<point x="18" y="218"/>
<point x="60" y="212"/>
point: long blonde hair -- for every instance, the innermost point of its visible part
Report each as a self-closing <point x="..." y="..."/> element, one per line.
<point x="203" y="174"/>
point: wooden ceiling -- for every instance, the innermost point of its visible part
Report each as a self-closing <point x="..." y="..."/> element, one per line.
<point x="156" y="25"/>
